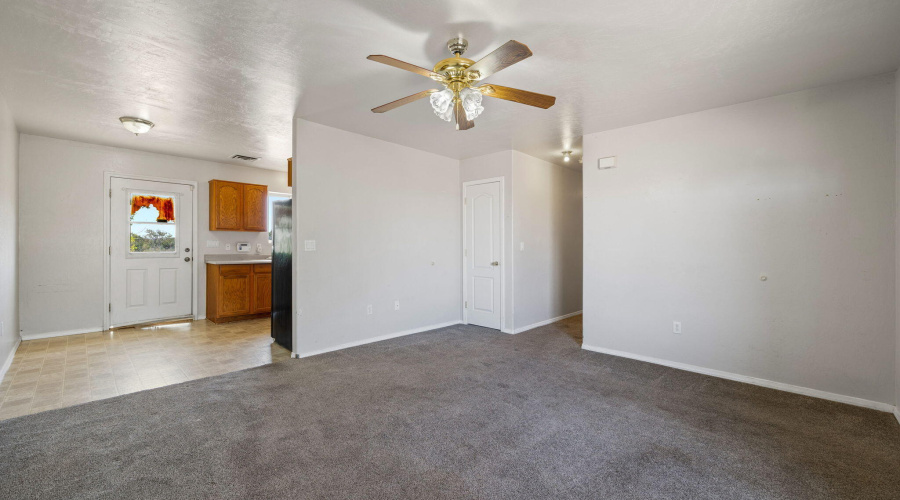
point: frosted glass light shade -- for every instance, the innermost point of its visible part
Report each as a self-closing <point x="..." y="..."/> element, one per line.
<point x="136" y="125"/>
<point x="442" y="103"/>
<point x="471" y="101"/>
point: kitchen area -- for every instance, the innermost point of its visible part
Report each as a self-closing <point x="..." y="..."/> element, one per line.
<point x="254" y="280"/>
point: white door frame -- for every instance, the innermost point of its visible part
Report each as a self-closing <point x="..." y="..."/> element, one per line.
<point x="503" y="263"/>
<point x="107" y="263"/>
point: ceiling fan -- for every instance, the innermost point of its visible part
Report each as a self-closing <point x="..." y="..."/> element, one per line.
<point x="461" y="96"/>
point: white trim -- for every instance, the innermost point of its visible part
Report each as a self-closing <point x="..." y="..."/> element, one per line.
<point x="897" y="413"/>
<point x="465" y="270"/>
<point x="107" y="185"/>
<point x="806" y="391"/>
<point x="61" y="333"/>
<point x="9" y="359"/>
<point x="545" y="322"/>
<point x="377" y="339"/>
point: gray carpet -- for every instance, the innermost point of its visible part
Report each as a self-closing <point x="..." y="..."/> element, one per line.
<point x="461" y="412"/>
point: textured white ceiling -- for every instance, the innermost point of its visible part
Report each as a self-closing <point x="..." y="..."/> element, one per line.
<point x="225" y="77"/>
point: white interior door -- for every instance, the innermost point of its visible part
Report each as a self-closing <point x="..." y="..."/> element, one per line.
<point x="151" y="249"/>
<point x="483" y="255"/>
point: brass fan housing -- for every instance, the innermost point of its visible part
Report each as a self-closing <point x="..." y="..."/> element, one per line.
<point x="454" y="69"/>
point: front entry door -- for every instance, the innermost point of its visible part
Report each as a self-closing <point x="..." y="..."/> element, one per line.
<point x="482" y="254"/>
<point x="151" y="249"/>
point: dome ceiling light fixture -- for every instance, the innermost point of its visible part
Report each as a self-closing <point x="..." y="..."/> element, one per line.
<point x="566" y="156"/>
<point x="461" y="96"/>
<point x="136" y="125"/>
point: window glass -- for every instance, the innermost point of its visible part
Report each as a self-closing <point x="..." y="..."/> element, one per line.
<point x="152" y="224"/>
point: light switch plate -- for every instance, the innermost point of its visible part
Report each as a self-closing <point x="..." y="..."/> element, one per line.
<point x="212" y="243"/>
<point x="309" y="245"/>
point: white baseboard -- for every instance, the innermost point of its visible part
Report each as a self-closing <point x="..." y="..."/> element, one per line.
<point x="47" y="335"/>
<point x="875" y="405"/>
<point x="9" y="360"/>
<point x="542" y="323"/>
<point x="377" y="339"/>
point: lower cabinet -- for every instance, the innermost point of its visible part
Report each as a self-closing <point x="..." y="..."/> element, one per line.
<point x="238" y="291"/>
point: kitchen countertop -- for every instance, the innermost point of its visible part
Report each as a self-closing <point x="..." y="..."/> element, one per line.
<point x="226" y="259"/>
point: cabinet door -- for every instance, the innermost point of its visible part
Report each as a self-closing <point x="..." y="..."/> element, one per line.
<point x="256" y="207"/>
<point x="226" y="206"/>
<point x="234" y="294"/>
<point x="262" y="293"/>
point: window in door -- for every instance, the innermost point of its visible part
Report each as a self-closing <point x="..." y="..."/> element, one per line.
<point x="152" y="222"/>
<point x="273" y="197"/>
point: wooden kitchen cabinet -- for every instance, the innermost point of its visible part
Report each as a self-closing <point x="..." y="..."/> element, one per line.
<point x="237" y="206"/>
<point x="238" y="291"/>
<point x="261" y="300"/>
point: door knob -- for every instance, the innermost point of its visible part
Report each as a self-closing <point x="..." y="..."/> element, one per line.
<point x="187" y="249"/>
<point x="187" y="259"/>
<point x="495" y="263"/>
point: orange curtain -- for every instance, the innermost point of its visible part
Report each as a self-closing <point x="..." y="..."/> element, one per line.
<point x="165" y="206"/>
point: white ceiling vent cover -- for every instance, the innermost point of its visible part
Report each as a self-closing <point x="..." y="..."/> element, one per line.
<point x="606" y="163"/>
<point x="245" y="158"/>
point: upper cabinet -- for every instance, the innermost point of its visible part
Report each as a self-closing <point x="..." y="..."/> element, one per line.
<point x="235" y="206"/>
<point x="256" y="207"/>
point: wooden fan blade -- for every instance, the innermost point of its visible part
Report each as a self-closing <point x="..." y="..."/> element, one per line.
<point x="390" y="61"/>
<point x="505" y="56"/>
<point x="406" y="100"/>
<point x="516" y="95"/>
<point x="462" y="123"/>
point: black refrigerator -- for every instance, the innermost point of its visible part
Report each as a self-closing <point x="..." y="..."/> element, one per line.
<point x="282" y="319"/>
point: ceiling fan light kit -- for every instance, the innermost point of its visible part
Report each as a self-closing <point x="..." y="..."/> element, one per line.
<point x="461" y="97"/>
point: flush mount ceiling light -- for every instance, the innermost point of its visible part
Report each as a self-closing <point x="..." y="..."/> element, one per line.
<point x="461" y="97"/>
<point x="136" y="125"/>
<point x="567" y="155"/>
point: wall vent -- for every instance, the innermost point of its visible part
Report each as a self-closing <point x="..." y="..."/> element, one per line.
<point x="245" y="158"/>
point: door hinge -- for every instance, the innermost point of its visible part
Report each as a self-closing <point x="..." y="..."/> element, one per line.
<point x="110" y="308"/>
<point x="110" y="250"/>
<point x="110" y="192"/>
<point x="467" y="304"/>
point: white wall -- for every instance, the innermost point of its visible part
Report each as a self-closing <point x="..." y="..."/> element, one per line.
<point x="61" y="222"/>
<point x="488" y="167"/>
<point x="897" y="239"/>
<point x="9" y="309"/>
<point x="547" y="216"/>
<point x="386" y="221"/>
<point x="798" y="187"/>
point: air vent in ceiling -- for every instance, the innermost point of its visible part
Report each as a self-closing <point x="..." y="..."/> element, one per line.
<point x="245" y="158"/>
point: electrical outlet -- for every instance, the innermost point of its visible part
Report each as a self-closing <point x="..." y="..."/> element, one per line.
<point x="212" y="243"/>
<point x="396" y="305"/>
<point x="676" y="327"/>
<point x="228" y="246"/>
<point x="369" y="309"/>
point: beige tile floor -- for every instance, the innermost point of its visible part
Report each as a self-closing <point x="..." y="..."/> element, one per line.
<point x="66" y="371"/>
